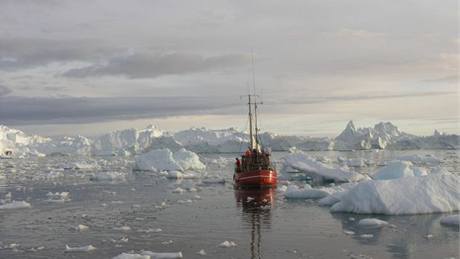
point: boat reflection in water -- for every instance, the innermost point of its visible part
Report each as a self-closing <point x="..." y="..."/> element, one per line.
<point x="256" y="207"/>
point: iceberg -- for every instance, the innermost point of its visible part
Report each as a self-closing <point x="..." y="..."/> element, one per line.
<point x="128" y="141"/>
<point x="303" y="163"/>
<point x="398" y="169"/>
<point x="408" y="195"/>
<point x="165" y="160"/>
<point x="87" y="248"/>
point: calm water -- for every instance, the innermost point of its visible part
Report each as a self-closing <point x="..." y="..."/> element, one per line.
<point x="261" y="222"/>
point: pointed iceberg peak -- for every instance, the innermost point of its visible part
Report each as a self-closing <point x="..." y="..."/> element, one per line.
<point x="437" y="133"/>
<point x="351" y="126"/>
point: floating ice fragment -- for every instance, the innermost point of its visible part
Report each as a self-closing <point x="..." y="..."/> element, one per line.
<point x="202" y="252"/>
<point x="15" y="205"/>
<point x="366" y="236"/>
<point x="227" y="244"/>
<point x="372" y="223"/>
<point x="131" y="256"/>
<point x="348" y="232"/>
<point x="82" y="227"/>
<point x="79" y="248"/>
<point x="178" y="190"/>
<point x="154" y="255"/>
<point x="150" y="230"/>
<point x="167" y="242"/>
<point x="123" y="228"/>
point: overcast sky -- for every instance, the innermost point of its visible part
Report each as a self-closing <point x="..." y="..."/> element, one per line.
<point x="87" y="67"/>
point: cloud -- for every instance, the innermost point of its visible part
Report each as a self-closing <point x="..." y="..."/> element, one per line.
<point x="23" y="110"/>
<point x="17" y="53"/>
<point x="4" y="90"/>
<point x="150" y="66"/>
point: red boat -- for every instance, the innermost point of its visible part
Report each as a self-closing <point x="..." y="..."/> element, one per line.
<point x="255" y="168"/>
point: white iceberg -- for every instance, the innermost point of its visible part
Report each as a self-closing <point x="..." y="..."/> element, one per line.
<point x="165" y="160"/>
<point x="310" y="166"/>
<point x="409" y="195"/>
<point x="79" y="248"/>
<point x="227" y="244"/>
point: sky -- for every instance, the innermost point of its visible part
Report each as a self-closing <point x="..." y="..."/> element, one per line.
<point x="93" y="66"/>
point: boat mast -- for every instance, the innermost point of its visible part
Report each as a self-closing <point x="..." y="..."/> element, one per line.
<point x="251" y="137"/>
<point x="255" y="102"/>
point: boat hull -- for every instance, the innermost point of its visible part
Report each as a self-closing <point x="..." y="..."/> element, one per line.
<point x="258" y="178"/>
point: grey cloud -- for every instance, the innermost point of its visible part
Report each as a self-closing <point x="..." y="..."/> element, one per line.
<point x="4" y="90"/>
<point x="30" y="52"/>
<point x="150" y="66"/>
<point x="22" y="110"/>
